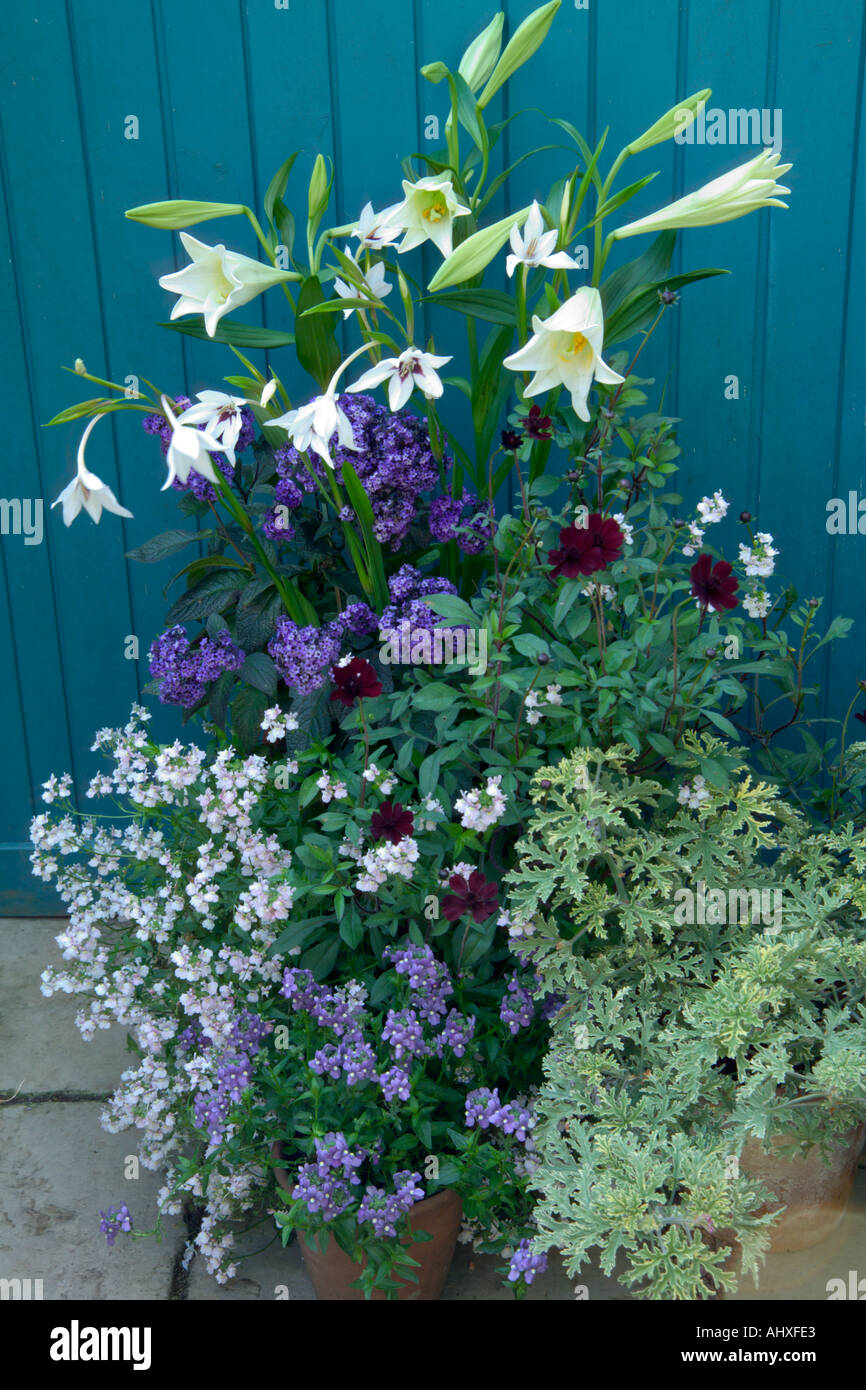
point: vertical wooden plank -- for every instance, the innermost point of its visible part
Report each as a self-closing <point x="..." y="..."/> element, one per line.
<point x="60" y="313"/>
<point x="805" y="324"/>
<point x="716" y="317"/>
<point x="843" y="585"/>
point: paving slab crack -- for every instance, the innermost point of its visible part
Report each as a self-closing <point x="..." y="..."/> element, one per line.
<point x="178" y="1291"/>
<point x="46" y="1097"/>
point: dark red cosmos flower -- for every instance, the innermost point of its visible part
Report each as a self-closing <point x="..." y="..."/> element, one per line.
<point x="713" y="584"/>
<point x="355" y="681"/>
<point x="478" y="896"/>
<point x="587" y="549"/>
<point x="537" y="426"/>
<point x="391" y="822"/>
<point x="511" y="439"/>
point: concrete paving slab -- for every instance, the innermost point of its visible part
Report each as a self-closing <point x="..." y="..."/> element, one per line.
<point x="41" y="1050"/>
<point x="57" y="1169"/>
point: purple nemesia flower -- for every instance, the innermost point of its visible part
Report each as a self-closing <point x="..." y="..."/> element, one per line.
<point x="484" y="1108"/>
<point x="115" y="1220"/>
<point x="457" y="1032"/>
<point x="395" y="1084"/>
<point x="185" y="671"/>
<point x="516" y="1008"/>
<point x="402" y="1030"/>
<point x="525" y="1265"/>
<point x="383" y="1210"/>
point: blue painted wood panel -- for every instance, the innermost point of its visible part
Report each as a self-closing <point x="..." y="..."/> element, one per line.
<point x="223" y="90"/>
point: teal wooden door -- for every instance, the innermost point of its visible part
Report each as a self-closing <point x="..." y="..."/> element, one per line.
<point x="221" y="91"/>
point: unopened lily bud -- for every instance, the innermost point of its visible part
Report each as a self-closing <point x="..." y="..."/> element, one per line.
<point x="476" y="252"/>
<point x="679" y="118"/>
<point x="520" y="48"/>
<point x="178" y="213"/>
<point x="320" y="189"/>
<point x="481" y="56"/>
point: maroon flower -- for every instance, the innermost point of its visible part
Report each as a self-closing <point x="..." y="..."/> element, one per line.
<point x="587" y="549"/>
<point x="537" y="426"/>
<point x="861" y="717"/>
<point x="511" y="439"/>
<point x="478" y="896"/>
<point x="391" y="822"/>
<point x="713" y="584"/>
<point x="355" y="681"/>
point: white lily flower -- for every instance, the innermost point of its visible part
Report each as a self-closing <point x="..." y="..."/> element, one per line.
<point x="535" y="246"/>
<point x="427" y="213"/>
<point x="313" y="425"/>
<point x="565" y="350"/>
<point x="412" y="368"/>
<point x="87" y="490"/>
<point x="375" y="287"/>
<point x="221" y="417"/>
<point x="217" y="281"/>
<point x="376" y="230"/>
<point x="188" y="449"/>
<point x="745" y="189"/>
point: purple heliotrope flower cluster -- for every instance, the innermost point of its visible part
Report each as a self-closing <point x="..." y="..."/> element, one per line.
<point x="516" y="1008"/>
<point x="233" y="1076"/>
<point x="406" y="589"/>
<point x="524" y="1265"/>
<point x="460" y="519"/>
<point x="304" y="655"/>
<point x="200" y="487"/>
<point x="392" y="458"/>
<point x="484" y="1108"/>
<point x="113" y="1221"/>
<point x="187" y="671"/>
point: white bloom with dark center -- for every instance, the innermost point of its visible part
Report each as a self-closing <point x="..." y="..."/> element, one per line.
<point x="220" y="415"/>
<point x="412" y="368"/>
<point x="376" y="230"/>
<point x="375" y="288"/>
<point x="87" y="490"/>
<point x="188" y="449"/>
<point x="534" y="246"/>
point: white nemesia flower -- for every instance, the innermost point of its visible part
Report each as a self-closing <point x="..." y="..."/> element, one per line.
<point x="87" y="490"/>
<point x="625" y="526"/>
<point x="412" y="368"/>
<point x="482" y="808"/>
<point x="760" y="559"/>
<point x="188" y="449"/>
<point x="377" y="229"/>
<point x="375" y="287"/>
<point x="696" y="535"/>
<point x="757" y="604"/>
<point x="565" y="350"/>
<point x="713" y="509"/>
<point x="427" y="213"/>
<point x="535" y="246"/>
<point x="693" y="793"/>
<point x="217" y="281"/>
<point x="221" y="417"/>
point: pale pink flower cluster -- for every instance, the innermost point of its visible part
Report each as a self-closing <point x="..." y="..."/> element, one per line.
<point x="480" y="809"/>
<point x="711" y="510"/>
<point x="537" y="702"/>
<point x="693" y="793"/>
<point x="387" y="861"/>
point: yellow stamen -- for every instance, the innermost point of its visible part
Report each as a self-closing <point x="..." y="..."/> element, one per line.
<point x="436" y="211"/>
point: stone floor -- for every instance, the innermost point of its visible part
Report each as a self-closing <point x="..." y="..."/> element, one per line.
<point x="57" y="1168"/>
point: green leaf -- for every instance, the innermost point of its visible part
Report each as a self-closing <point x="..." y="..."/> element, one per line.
<point x="165" y="544"/>
<point x="248" y="708"/>
<point x="277" y="187"/>
<point x="568" y="595"/>
<point x="722" y="723"/>
<point x="237" y="334"/>
<point x="435" y="696"/>
<point x="260" y="672"/>
<point x="491" y="306"/>
<point x="213" y="594"/>
<point x="455" y="609"/>
<point x="316" y="345"/>
<point x="639" y="309"/>
<point x="661" y="743"/>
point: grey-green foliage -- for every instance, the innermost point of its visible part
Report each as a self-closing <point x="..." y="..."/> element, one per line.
<point x="677" y="1040"/>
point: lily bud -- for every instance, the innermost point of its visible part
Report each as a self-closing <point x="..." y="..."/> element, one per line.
<point x="520" y="48"/>
<point x="680" y="117"/>
<point x="476" y="252"/>
<point x="481" y="56"/>
<point x="745" y="189"/>
<point x="178" y="213"/>
<point x="320" y="189"/>
<point x="434" y="72"/>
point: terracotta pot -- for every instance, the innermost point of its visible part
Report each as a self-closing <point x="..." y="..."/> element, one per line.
<point x="332" y="1271"/>
<point x="814" y="1193"/>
